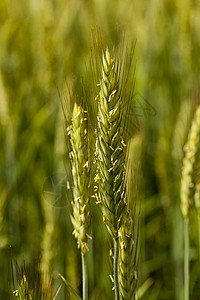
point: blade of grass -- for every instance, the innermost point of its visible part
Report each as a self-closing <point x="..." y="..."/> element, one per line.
<point x="71" y="289"/>
<point x="143" y="288"/>
<point x="57" y="292"/>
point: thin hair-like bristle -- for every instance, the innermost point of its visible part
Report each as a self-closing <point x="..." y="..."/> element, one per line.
<point x="30" y="283"/>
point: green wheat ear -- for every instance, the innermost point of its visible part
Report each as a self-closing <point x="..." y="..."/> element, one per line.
<point x="189" y="182"/>
<point x="190" y="165"/>
<point x="197" y="162"/>
<point x="197" y="183"/>
<point x="81" y="217"/>
<point x="127" y="260"/>
<point x="110" y="149"/>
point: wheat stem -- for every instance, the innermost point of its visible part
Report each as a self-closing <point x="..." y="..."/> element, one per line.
<point x="110" y="157"/>
<point x="84" y="277"/>
<point x="115" y="268"/>
<point x="111" y="152"/>
<point x="190" y="188"/>
<point x="81" y="217"/>
<point x="186" y="259"/>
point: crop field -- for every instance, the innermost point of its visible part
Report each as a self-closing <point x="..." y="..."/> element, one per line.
<point x="99" y="150"/>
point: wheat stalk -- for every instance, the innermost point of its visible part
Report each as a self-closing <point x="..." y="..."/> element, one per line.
<point x="189" y="181"/>
<point x="110" y="156"/>
<point x="81" y="217"/>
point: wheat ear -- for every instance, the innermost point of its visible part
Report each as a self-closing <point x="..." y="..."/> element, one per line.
<point x="197" y="183"/>
<point x="188" y="182"/>
<point x="110" y="156"/>
<point x="190" y="163"/>
<point x="81" y="218"/>
<point x="110" y="149"/>
<point x="197" y="204"/>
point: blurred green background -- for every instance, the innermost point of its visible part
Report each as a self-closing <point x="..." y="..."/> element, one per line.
<point x="42" y="43"/>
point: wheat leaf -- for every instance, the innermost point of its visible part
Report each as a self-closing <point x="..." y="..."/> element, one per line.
<point x="68" y="284"/>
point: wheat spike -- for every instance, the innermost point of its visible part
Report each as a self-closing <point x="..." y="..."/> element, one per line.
<point x="190" y="165"/>
<point x="110" y="149"/>
<point x="80" y="172"/>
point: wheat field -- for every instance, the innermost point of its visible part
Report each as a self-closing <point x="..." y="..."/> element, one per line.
<point x="53" y="55"/>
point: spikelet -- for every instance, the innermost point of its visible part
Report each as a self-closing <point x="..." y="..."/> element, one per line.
<point x="190" y="166"/>
<point x="80" y="172"/>
<point x="110" y="149"/>
<point x="127" y="260"/>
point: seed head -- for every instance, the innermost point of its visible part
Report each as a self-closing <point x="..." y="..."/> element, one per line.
<point x="190" y="176"/>
<point x="80" y="172"/>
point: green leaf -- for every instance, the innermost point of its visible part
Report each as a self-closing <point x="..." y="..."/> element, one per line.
<point x="68" y="284"/>
<point x="142" y="289"/>
<point x="57" y="292"/>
